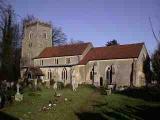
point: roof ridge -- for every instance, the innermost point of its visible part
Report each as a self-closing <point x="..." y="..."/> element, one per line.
<point x="120" y="45"/>
<point x="69" y="45"/>
<point x="73" y="44"/>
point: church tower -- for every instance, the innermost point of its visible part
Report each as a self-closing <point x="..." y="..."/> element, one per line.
<point x="37" y="36"/>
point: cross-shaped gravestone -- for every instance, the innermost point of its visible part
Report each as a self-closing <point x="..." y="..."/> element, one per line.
<point x="18" y="96"/>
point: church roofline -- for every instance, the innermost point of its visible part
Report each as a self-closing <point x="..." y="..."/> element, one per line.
<point x="64" y="50"/>
<point x="28" y="24"/>
<point x="125" y="51"/>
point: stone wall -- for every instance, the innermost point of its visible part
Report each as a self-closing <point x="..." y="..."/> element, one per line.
<point x="140" y="77"/>
<point x="121" y="77"/>
<point x="56" y="74"/>
<point x="61" y="61"/>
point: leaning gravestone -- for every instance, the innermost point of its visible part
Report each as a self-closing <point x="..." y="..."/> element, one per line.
<point x="18" y="96"/>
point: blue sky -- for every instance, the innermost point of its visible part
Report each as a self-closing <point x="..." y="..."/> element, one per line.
<point x="98" y="21"/>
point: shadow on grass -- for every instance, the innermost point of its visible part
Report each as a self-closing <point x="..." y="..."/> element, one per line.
<point x="137" y="113"/>
<point x="144" y="93"/>
<point x="125" y="113"/>
<point x="90" y="116"/>
<point x="142" y="112"/>
<point x="5" y="116"/>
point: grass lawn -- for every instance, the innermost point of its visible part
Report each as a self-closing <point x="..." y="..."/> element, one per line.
<point x="85" y="104"/>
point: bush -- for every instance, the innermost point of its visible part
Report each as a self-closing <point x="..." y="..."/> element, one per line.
<point x="6" y="97"/>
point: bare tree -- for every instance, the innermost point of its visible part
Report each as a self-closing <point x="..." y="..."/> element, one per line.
<point x="156" y="55"/>
<point x="157" y="37"/>
<point x="58" y="36"/>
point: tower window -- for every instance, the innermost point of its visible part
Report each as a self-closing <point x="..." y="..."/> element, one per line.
<point x="45" y="35"/>
<point x="30" y="45"/>
<point x="30" y="35"/>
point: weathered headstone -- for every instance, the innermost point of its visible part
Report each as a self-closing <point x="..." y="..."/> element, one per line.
<point x="74" y="81"/>
<point x="18" y="96"/>
<point x="35" y="84"/>
<point x="48" y="84"/>
<point x="108" y="91"/>
<point x="55" y="86"/>
<point x="74" y="85"/>
<point x="12" y="84"/>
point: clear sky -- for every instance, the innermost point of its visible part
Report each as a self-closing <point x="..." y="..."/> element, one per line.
<point x="98" y="21"/>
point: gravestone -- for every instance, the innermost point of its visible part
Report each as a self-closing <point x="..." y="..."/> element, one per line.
<point x="55" y="86"/>
<point x="47" y="84"/>
<point x="74" y="85"/>
<point x="18" y="96"/>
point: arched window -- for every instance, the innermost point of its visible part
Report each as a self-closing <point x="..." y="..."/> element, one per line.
<point x="64" y="74"/>
<point x="91" y="75"/>
<point x="92" y="72"/>
<point x="30" y="35"/>
<point x="49" y="74"/>
<point x="109" y="75"/>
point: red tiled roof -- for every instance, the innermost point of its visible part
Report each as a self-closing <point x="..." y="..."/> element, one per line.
<point x="65" y="50"/>
<point x="113" y="52"/>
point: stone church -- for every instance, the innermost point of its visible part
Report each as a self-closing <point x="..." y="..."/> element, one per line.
<point x="120" y="65"/>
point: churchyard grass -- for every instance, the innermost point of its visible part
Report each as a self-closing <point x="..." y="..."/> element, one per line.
<point x="84" y="104"/>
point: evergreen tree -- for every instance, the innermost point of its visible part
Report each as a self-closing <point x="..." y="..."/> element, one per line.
<point x="7" y="59"/>
<point x="112" y="42"/>
<point x="156" y="64"/>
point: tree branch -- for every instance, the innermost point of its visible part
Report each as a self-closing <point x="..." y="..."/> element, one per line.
<point x="156" y="38"/>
